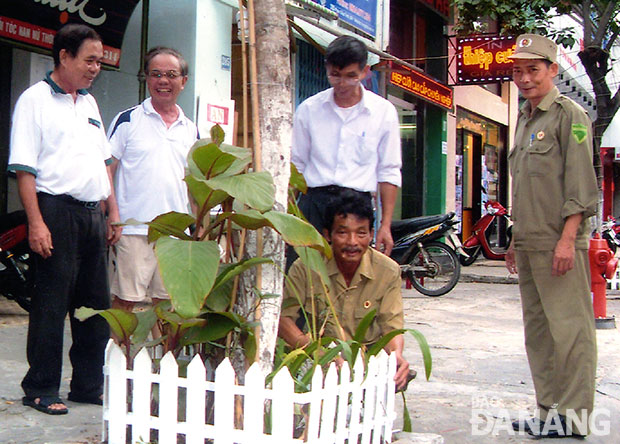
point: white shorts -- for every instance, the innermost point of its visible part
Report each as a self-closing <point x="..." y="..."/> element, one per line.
<point x="134" y="273"/>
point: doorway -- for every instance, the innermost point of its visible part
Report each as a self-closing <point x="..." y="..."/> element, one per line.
<point x="469" y="178"/>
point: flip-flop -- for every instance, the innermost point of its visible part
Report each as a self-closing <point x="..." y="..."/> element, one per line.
<point x="44" y="404"/>
<point x="96" y="400"/>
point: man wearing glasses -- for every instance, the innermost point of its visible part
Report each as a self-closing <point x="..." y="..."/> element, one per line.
<point x="347" y="137"/>
<point x="150" y="143"/>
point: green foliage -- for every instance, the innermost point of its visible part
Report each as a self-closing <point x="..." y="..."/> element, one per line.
<point x="196" y="274"/>
<point x="514" y="17"/>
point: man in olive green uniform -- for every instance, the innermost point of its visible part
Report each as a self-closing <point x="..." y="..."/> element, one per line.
<point x="554" y="193"/>
<point x="361" y="279"/>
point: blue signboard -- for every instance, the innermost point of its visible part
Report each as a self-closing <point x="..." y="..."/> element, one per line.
<point x="359" y="13"/>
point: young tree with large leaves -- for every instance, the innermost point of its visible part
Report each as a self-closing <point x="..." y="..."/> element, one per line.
<point x="601" y="26"/>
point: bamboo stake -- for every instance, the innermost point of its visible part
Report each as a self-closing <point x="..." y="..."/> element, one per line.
<point x="257" y="147"/>
<point x="244" y="73"/>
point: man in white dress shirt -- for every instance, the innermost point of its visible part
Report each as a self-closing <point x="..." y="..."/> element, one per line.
<point x="347" y="137"/>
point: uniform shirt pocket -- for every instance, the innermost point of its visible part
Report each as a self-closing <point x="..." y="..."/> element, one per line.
<point x="539" y="159"/>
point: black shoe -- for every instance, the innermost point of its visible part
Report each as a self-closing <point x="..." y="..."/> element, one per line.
<point x="554" y="427"/>
<point x="528" y="425"/>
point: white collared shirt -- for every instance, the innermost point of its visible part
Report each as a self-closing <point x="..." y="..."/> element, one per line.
<point x="357" y="152"/>
<point x="61" y="141"/>
<point x="152" y="160"/>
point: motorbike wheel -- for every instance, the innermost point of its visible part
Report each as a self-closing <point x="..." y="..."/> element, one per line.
<point x="440" y="276"/>
<point x="473" y="253"/>
<point x="11" y="285"/>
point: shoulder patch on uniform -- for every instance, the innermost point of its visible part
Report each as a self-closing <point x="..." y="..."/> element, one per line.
<point x="580" y="132"/>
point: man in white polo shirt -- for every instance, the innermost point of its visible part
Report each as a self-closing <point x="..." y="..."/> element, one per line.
<point x="59" y="152"/>
<point x="150" y="143"/>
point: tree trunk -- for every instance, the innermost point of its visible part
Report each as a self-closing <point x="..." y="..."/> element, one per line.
<point x="595" y="60"/>
<point x="275" y="111"/>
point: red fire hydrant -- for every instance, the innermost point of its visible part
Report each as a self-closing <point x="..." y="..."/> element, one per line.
<point x="602" y="266"/>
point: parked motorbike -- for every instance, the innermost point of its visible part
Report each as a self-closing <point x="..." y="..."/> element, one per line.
<point x="610" y="231"/>
<point x="431" y="266"/>
<point x="15" y="259"/>
<point x="479" y="239"/>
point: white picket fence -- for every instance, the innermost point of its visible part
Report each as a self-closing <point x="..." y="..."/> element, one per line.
<point x="353" y="410"/>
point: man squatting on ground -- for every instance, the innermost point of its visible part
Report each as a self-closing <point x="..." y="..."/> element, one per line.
<point x="347" y="137"/>
<point x="59" y="152"/>
<point x="554" y="193"/>
<point x="150" y="143"/>
<point x="361" y="279"/>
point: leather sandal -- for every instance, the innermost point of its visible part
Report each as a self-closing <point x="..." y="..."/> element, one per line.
<point x="45" y="404"/>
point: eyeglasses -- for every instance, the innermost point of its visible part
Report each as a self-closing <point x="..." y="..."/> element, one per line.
<point x="343" y="80"/>
<point x="158" y="74"/>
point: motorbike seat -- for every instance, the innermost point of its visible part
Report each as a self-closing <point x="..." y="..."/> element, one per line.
<point x="11" y="220"/>
<point x="400" y="228"/>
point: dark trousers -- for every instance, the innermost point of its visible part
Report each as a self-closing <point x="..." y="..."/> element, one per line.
<point x="75" y="275"/>
<point x="314" y="206"/>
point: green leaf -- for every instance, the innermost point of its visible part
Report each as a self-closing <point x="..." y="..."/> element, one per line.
<point x="122" y="323"/>
<point x="216" y="327"/>
<point x="288" y="359"/>
<point x="297" y="180"/>
<point x="250" y="219"/>
<point x="210" y="160"/>
<point x="250" y="346"/>
<point x="231" y="270"/>
<point x="312" y="259"/>
<point x="256" y="189"/>
<point x="406" y="416"/>
<point x="362" y="327"/>
<point x="297" y="232"/>
<point x="217" y="134"/>
<point x="203" y="194"/>
<point x="426" y="351"/>
<point x="219" y="297"/>
<point x="243" y="157"/>
<point x="419" y="337"/>
<point x="188" y="270"/>
<point x="170" y="224"/>
<point x="146" y="322"/>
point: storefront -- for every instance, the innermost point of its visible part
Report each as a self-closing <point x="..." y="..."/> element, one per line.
<point x="480" y="168"/>
<point x="486" y="105"/>
<point x="26" y="35"/>
<point x="27" y="31"/>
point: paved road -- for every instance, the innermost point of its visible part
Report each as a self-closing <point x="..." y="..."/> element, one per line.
<point x="476" y="336"/>
<point x="479" y="365"/>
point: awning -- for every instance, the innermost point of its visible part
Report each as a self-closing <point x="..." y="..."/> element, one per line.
<point x="34" y="22"/>
<point x="323" y="37"/>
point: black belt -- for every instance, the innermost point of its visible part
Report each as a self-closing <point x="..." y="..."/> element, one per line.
<point x="333" y="189"/>
<point x="92" y="205"/>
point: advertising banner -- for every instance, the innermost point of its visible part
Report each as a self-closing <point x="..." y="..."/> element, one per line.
<point x="484" y="59"/>
<point x="34" y="22"/>
<point x="422" y="86"/>
<point x="361" y="14"/>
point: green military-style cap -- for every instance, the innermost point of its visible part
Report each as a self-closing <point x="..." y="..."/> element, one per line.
<point x="534" y="46"/>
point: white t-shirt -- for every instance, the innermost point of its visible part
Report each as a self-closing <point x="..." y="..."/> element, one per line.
<point x="355" y="149"/>
<point x="152" y="160"/>
<point x="60" y="141"/>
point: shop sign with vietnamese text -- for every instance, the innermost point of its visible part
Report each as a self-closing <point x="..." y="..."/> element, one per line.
<point x="422" y="86"/>
<point x="484" y="59"/>
<point x="361" y="14"/>
<point x="35" y="22"/>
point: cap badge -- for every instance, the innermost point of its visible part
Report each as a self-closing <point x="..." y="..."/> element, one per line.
<point x="525" y="42"/>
